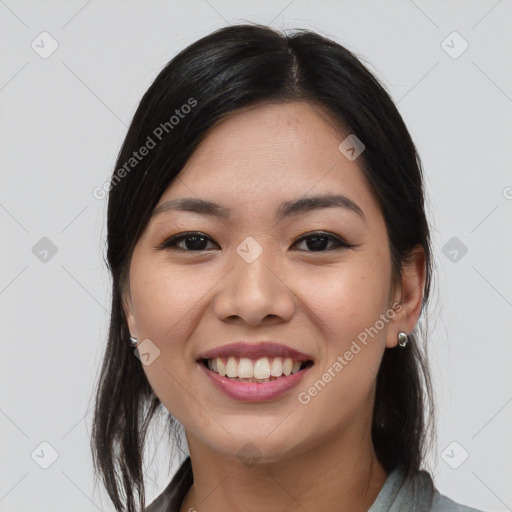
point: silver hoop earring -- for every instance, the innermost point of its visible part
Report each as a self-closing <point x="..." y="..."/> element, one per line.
<point x="134" y="341"/>
<point x="402" y="339"/>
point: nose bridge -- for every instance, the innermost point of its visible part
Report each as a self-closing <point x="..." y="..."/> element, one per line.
<point x="252" y="269"/>
<point x="253" y="289"/>
<point x="252" y="264"/>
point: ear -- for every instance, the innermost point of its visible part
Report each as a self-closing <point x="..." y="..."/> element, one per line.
<point x="129" y="313"/>
<point x="409" y="294"/>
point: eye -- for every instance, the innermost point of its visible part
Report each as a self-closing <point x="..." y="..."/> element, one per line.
<point x="195" y="241"/>
<point x="317" y="242"/>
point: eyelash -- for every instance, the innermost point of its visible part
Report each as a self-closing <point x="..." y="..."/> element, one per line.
<point x="170" y="243"/>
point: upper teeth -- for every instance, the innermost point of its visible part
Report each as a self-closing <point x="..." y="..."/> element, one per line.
<point x="246" y="368"/>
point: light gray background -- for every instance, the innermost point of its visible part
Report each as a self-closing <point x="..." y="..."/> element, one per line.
<point x="62" y="123"/>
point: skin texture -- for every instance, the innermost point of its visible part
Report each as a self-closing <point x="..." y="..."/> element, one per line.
<point x="318" y="455"/>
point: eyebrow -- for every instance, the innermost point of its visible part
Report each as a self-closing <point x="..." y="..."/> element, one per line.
<point x="285" y="209"/>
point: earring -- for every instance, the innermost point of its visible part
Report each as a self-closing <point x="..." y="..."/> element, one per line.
<point x="134" y="341"/>
<point x="402" y="339"/>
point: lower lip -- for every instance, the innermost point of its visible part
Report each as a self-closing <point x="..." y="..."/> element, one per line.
<point x="255" y="391"/>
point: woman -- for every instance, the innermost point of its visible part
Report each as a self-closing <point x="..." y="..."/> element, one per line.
<point x="271" y="258"/>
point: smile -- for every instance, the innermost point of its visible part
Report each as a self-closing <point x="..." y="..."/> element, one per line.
<point x="253" y="389"/>
<point x="263" y="369"/>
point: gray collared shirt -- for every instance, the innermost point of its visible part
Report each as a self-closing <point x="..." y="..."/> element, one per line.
<point x="415" y="493"/>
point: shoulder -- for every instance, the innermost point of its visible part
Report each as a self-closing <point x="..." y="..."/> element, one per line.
<point x="422" y="484"/>
<point x="443" y="503"/>
<point x="414" y="493"/>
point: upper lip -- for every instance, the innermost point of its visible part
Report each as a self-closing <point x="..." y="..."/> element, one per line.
<point x="255" y="350"/>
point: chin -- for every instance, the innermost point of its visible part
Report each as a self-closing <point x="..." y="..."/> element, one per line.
<point x="251" y="449"/>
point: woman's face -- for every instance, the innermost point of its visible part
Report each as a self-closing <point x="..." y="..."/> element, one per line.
<point x="255" y="276"/>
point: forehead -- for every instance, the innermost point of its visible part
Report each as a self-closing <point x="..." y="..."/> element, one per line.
<point x="271" y="153"/>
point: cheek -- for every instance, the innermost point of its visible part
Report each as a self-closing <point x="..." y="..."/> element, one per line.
<point x="349" y="299"/>
<point x="348" y="309"/>
<point x="348" y="306"/>
<point x="164" y="302"/>
<point x="167" y="305"/>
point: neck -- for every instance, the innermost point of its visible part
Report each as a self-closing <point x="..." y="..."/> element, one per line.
<point x="340" y="474"/>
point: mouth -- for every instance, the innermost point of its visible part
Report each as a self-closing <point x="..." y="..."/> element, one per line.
<point x="261" y="386"/>
<point x="259" y="370"/>
<point x="255" y="371"/>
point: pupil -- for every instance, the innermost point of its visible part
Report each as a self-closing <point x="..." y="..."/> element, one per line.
<point x="195" y="241"/>
<point x="314" y="241"/>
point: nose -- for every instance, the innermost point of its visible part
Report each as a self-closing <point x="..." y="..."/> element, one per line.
<point x="254" y="293"/>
